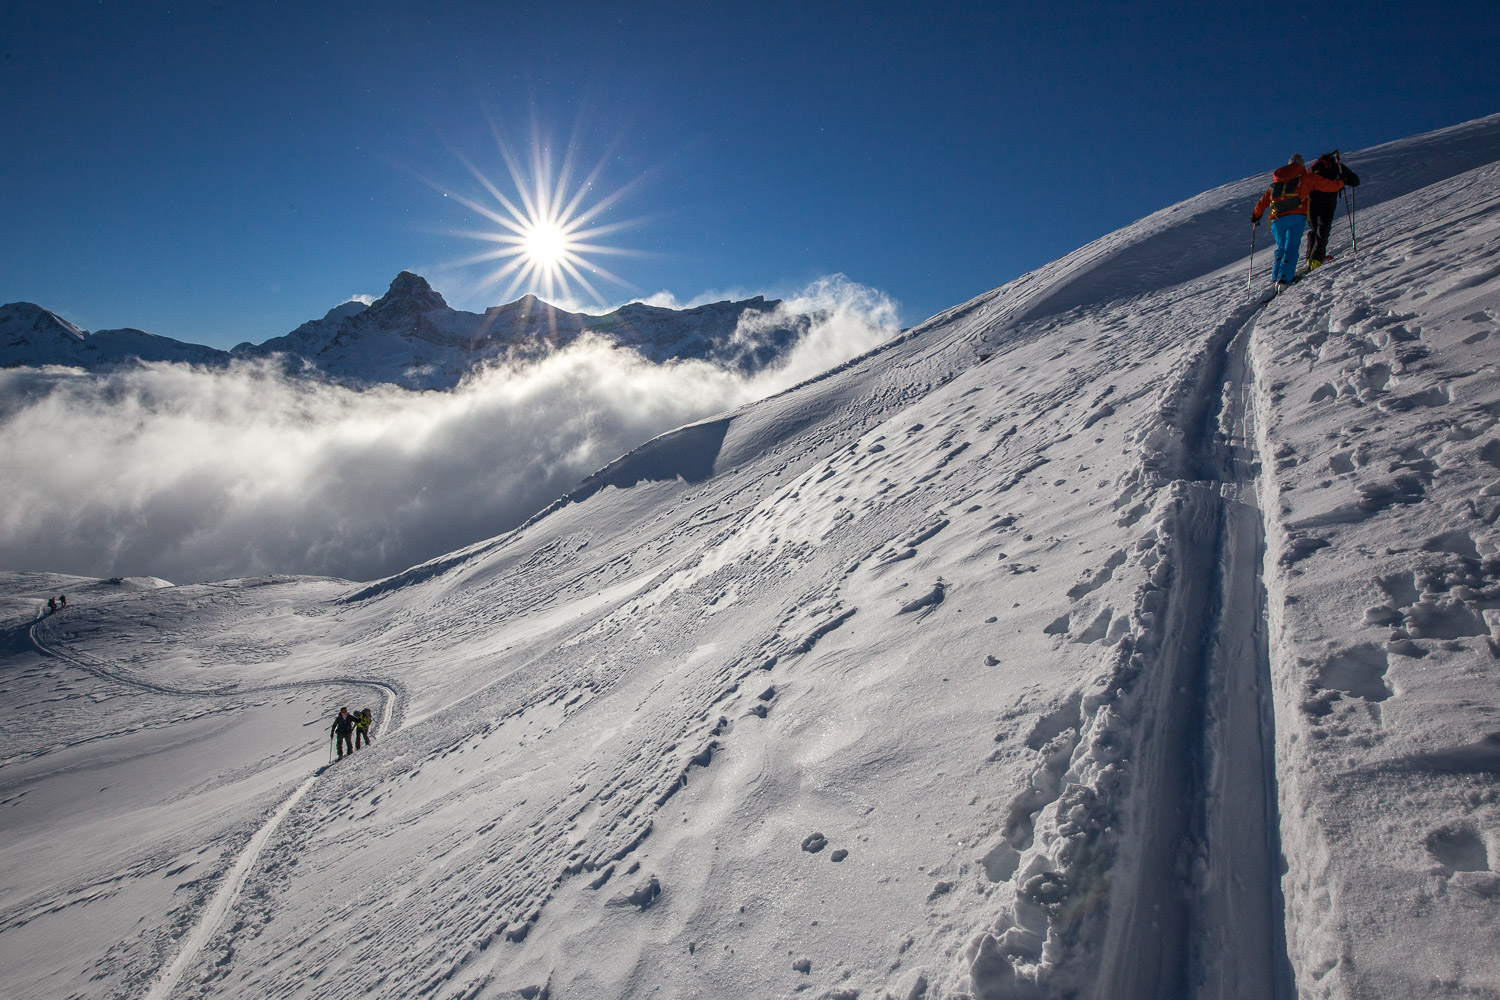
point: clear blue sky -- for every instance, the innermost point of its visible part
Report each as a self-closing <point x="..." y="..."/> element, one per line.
<point x="219" y="172"/>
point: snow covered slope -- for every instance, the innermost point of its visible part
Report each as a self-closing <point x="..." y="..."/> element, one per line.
<point x="1109" y="635"/>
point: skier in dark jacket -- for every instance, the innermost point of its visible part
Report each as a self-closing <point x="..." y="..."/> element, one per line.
<point x="343" y="727"/>
<point x="1321" y="206"/>
<point x="1287" y="200"/>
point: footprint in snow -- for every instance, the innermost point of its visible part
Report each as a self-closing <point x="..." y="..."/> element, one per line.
<point x="1358" y="671"/>
<point x="1437" y="396"/>
<point x="1097" y="629"/>
<point x="1491" y="453"/>
<point x="1099" y="579"/>
<point x="1459" y="849"/>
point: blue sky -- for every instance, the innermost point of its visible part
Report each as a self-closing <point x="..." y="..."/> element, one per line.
<point x="220" y="172"/>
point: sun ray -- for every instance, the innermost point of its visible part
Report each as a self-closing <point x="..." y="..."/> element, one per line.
<point x="578" y="277"/>
<point x="478" y="258"/>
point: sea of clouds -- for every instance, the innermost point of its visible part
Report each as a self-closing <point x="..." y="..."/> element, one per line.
<point x="193" y="474"/>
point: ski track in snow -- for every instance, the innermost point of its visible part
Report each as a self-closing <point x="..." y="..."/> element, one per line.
<point x="228" y="892"/>
<point x="1112" y="635"/>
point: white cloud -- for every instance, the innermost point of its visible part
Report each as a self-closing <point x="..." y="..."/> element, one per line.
<point x="194" y="474"/>
<point x="667" y="300"/>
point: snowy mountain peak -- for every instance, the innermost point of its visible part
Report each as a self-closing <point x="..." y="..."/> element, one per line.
<point x="27" y="322"/>
<point x="343" y="311"/>
<point x="32" y="335"/>
<point x="410" y="292"/>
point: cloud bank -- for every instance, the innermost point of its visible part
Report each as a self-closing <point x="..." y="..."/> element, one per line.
<point x="189" y="474"/>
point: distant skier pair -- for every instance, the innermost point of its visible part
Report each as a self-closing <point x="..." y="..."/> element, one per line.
<point x="351" y="730"/>
<point x="1301" y="198"/>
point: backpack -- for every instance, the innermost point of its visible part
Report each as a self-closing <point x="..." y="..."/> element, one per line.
<point x="1286" y="197"/>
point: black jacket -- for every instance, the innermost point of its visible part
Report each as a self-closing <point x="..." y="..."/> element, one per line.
<point x="1324" y="202"/>
<point x="343" y="725"/>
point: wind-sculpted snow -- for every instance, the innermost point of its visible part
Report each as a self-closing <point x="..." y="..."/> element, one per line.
<point x="199" y="473"/>
<point x="1130" y="649"/>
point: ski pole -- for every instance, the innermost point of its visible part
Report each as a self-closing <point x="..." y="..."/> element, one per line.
<point x="1349" y="205"/>
<point x="1353" y="238"/>
<point x="1250" y="278"/>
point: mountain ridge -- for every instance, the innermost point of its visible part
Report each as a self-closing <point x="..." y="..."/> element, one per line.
<point x="411" y="337"/>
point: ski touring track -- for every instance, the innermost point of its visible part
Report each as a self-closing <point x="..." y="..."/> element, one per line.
<point x="228" y="891"/>
<point x="1240" y="947"/>
<point x="1204" y="915"/>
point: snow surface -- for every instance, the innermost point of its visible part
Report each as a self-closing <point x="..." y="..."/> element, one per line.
<point x="1109" y="635"/>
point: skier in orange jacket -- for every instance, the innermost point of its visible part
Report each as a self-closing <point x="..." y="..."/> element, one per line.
<point x="1287" y="200"/>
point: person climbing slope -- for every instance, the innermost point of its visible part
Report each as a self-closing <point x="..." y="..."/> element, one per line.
<point x="1287" y="200"/>
<point x="1321" y="206"/>
<point x="362" y="728"/>
<point x="343" y="728"/>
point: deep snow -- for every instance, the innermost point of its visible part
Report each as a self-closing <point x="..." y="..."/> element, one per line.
<point x="1106" y="636"/>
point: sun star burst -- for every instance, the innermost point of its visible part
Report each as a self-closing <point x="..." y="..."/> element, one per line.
<point x="548" y="228"/>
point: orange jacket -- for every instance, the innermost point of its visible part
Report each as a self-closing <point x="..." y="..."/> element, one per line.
<point x="1290" y="186"/>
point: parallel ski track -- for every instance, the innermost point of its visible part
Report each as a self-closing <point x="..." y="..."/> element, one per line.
<point x="1204" y="917"/>
<point x="1239" y="941"/>
<point x="228" y="891"/>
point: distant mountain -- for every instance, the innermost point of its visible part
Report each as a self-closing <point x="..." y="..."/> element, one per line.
<point x="33" y="336"/>
<point x="411" y="337"/>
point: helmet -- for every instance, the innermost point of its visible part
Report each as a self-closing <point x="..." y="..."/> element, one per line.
<point x="1296" y="158"/>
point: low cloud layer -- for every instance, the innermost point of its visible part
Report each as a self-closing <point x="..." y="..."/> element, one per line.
<point x="195" y="475"/>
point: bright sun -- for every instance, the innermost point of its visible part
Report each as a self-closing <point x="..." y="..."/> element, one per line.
<point x="544" y="243"/>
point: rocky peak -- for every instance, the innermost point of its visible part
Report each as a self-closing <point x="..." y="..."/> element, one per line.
<point x="409" y="294"/>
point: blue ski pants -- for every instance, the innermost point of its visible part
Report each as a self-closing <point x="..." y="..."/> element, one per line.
<point x="1287" y="231"/>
